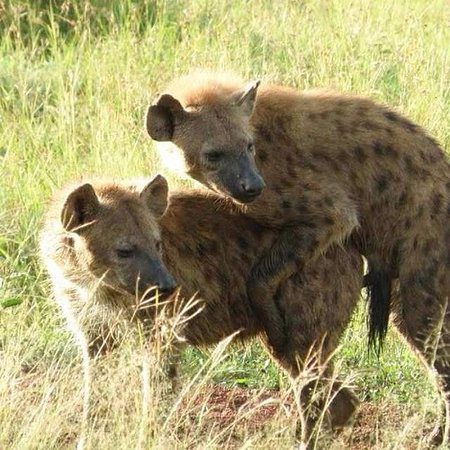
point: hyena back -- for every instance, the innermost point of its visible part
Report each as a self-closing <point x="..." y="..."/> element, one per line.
<point x="335" y="167"/>
<point x="209" y="248"/>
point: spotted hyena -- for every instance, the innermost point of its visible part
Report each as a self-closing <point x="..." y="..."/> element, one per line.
<point x="101" y="240"/>
<point x="322" y="167"/>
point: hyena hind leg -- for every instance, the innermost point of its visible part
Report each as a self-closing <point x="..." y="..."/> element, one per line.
<point x="422" y="316"/>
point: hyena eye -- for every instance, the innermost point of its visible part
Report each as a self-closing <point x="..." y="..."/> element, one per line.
<point x="214" y="156"/>
<point x="125" y="252"/>
<point x="251" y="147"/>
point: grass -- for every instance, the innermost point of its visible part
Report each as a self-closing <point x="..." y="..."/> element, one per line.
<point x="75" y="78"/>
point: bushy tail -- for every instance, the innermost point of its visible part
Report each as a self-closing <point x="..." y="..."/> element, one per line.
<point x="378" y="283"/>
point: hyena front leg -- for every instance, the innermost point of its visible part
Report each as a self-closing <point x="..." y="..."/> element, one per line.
<point x="292" y="250"/>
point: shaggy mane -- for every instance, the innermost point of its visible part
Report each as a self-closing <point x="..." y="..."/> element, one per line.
<point x="204" y="88"/>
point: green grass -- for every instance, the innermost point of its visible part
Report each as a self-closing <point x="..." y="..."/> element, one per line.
<point x="75" y="78"/>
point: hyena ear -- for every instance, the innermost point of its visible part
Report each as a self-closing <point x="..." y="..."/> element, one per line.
<point x="162" y="116"/>
<point x="245" y="99"/>
<point x="80" y="208"/>
<point x="155" y="195"/>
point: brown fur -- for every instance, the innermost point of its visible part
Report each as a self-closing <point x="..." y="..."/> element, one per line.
<point x="210" y="250"/>
<point x="335" y="166"/>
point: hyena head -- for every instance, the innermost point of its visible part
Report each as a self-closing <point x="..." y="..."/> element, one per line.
<point x="116" y="238"/>
<point x="213" y="141"/>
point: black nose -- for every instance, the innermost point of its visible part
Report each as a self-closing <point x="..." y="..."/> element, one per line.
<point x="253" y="187"/>
<point x="166" y="285"/>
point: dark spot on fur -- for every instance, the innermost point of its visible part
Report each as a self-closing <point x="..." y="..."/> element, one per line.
<point x="390" y="151"/>
<point x="409" y="126"/>
<point x="362" y="110"/>
<point x="384" y="150"/>
<point x="428" y="246"/>
<point x="310" y="165"/>
<point x="383" y="182"/>
<point x="353" y="175"/>
<point x="420" y="211"/>
<point x="242" y="243"/>
<point x="265" y="134"/>
<point x="402" y="199"/>
<point x="261" y="155"/>
<point x="369" y="125"/>
<point x="322" y="156"/>
<point x="201" y="251"/>
<point x="280" y="124"/>
<point x="286" y="204"/>
<point x="408" y="224"/>
<point x="360" y="154"/>
<point x="288" y="184"/>
<point x="405" y="123"/>
<point x="392" y="116"/>
<point x="378" y="148"/>
<point x="302" y="208"/>
<point x="335" y="165"/>
<point x="206" y="248"/>
<point x="422" y="155"/>
<point x="411" y="168"/>
<point x="328" y="220"/>
<point x="437" y="203"/>
<point x="434" y="155"/>
<point x="328" y="201"/>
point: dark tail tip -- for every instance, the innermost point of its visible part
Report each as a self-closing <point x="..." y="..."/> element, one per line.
<point x="378" y="283"/>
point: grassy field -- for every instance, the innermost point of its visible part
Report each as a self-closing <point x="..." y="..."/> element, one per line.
<point x="75" y="78"/>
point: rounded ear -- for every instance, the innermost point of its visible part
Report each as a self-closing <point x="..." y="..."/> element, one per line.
<point x="80" y="208"/>
<point x="155" y="195"/>
<point x="245" y="99"/>
<point x="162" y="116"/>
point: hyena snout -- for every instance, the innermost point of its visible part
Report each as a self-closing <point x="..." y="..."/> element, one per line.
<point x="251" y="186"/>
<point x="242" y="181"/>
<point x="150" y="276"/>
<point x="156" y="277"/>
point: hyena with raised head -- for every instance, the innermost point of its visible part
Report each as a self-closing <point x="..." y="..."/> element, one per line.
<point x="334" y="166"/>
<point x="105" y="238"/>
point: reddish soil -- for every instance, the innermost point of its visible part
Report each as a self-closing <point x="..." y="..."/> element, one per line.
<point x="248" y="411"/>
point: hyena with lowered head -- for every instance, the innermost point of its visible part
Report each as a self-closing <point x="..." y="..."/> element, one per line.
<point x="106" y="238"/>
<point x="91" y="266"/>
<point x="322" y="167"/>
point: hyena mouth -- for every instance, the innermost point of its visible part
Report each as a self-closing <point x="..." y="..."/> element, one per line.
<point x="247" y="198"/>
